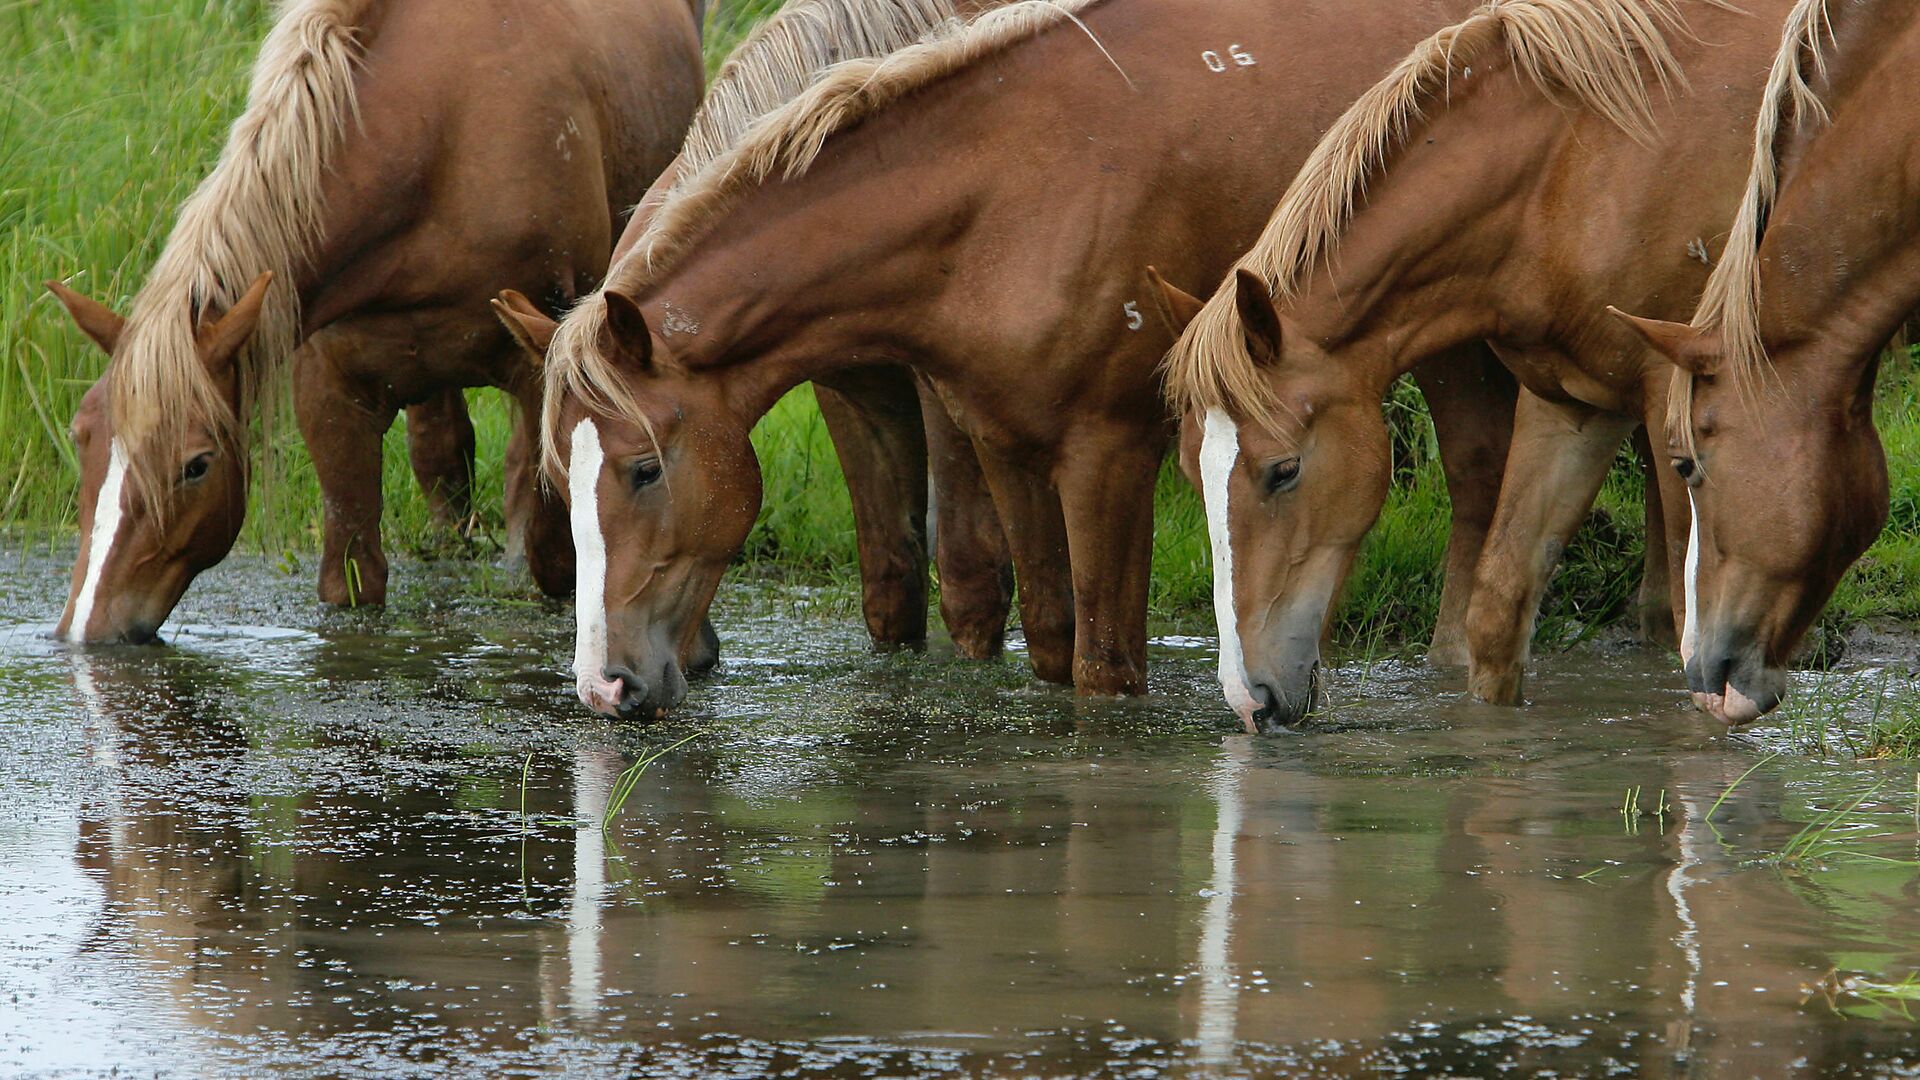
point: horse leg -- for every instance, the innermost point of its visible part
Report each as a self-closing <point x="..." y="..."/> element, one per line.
<point x="538" y="528"/>
<point x="874" y="420"/>
<point x="343" y="432"/>
<point x="1470" y="395"/>
<point x="440" y="447"/>
<point x="1558" y="460"/>
<point x="976" y="569"/>
<point x="1106" y="494"/>
<point x="1036" y="533"/>
<point x="1655" y="600"/>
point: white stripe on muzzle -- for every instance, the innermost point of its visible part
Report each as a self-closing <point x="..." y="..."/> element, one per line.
<point x="107" y="514"/>
<point x="1219" y="450"/>
<point x="1690" y="624"/>
<point x="590" y="566"/>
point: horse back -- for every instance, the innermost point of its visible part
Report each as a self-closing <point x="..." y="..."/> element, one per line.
<point x="496" y="145"/>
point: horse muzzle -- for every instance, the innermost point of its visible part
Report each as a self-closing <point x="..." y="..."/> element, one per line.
<point x="620" y="691"/>
<point x="1734" y="686"/>
<point x="1286" y="696"/>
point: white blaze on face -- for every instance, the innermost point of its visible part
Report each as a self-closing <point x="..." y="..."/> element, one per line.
<point x="107" y="513"/>
<point x="1690" y="624"/>
<point x="590" y="562"/>
<point x="1219" y="450"/>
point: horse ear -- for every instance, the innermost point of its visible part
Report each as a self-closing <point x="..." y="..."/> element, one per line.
<point x="1692" y="349"/>
<point x="1258" y="318"/>
<point x="1176" y="306"/>
<point x="527" y="323"/>
<point x="627" y="334"/>
<point x="221" y="338"/>
<point x="95" y="319"/>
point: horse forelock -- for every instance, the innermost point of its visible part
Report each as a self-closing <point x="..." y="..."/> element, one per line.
<point x="259" y="210"/>
<point x="1209" y="367"/>
<point x="1730" y="303"/>
<point x="1598" y="52"/>
<point x="577" y="367"/>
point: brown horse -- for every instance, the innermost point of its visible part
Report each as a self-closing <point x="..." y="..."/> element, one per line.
<point x="1010" y="277"/>
<point x="897" y="446"/>
<point x="381" y="172"/>
<point x="1771" y="418"/>
<point x="1468" y="202"/>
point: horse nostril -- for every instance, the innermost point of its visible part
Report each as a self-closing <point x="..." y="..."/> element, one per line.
<point x="1262" y="696"/>
<point x="1715" y="668"/>
<point x="1276" y="709"/>
<point x="1266" y="707"/>
<point x="630" y="689"/>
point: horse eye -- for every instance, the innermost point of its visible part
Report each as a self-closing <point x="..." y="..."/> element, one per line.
<point x="196" y="470"/>
<point x="645" y="472"/>
<point x="1685" y="468"/>
<point x="1283" y="475"/>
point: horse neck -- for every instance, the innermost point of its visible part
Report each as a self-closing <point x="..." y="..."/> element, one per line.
<point x="823" y="273"/>
<point x="1840" y="261"/>
<point x="1420" y="268"/>
<point x="1515" y="216"/>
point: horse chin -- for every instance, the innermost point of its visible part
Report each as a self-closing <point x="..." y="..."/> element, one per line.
<point x="704" y="653"/>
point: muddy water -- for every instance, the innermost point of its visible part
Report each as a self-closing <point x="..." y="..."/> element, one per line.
<point x="367" y="844"/>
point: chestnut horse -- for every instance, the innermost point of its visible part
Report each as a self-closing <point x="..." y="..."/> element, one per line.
<point x="1771" y="418"/>
<point x="371" y="196"/>
<point x="1468" y="202"/>
<point x="892" y="435"/>
<point x="1009" y="275"/>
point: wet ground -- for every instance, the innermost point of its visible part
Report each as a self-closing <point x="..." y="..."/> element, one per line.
<point x="367" y="844"/>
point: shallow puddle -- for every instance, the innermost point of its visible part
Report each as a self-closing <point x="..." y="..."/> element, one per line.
<point x="392" y="844"/>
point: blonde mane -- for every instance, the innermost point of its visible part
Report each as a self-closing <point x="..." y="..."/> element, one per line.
<point x="259" y="210"/>
<point x="1730" y="304"/>
<point x="786" y="53"/>
<point x="781" y="143"/>
<point x="1591" y="50"/>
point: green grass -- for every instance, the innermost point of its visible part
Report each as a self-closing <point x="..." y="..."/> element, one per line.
<point x="111" y="110"/>
<point x="1865" y="997"/>
<point x="1855" y="717"/>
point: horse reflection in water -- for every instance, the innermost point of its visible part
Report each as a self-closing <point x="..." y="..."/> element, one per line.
<point x="305" y="874"/>
<point x="275" y="911"/>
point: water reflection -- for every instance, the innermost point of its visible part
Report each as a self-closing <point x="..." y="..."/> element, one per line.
<point x="901" y="868"/>
<point x="1219" y="992"/>
<point x="594" y="772"/>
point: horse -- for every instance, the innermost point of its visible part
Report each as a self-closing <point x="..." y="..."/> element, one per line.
<point x="898" y="448"/>
<point x="1770" y="419"/>
<point x="370" y="197"/>
<point x="1010" y="279"/>
<point x="1509" y="172"/>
